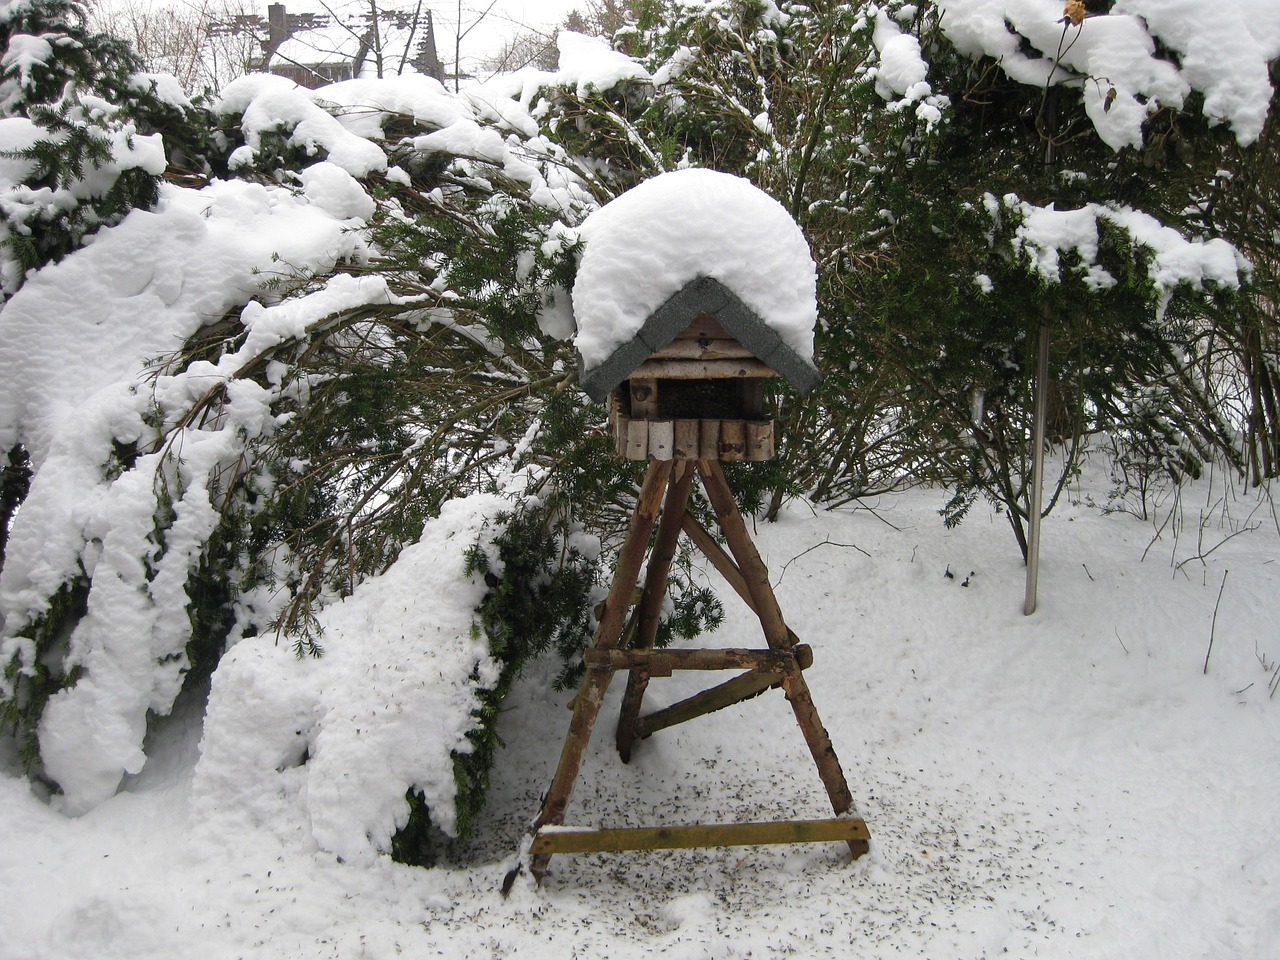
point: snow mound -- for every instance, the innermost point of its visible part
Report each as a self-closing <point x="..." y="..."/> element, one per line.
<point x="331" y="745"/>
<point x="651" y="241"/>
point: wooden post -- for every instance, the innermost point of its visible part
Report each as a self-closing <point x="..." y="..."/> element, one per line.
<point x="708" y="439"/>
<point x="1039" y="417"/>
<point x="661" y="663"/>
<point x="760" y="440"/>
<point x="596" y="680"/>
<point x="661" y="439"/>
<point x="644" y="398"/>
<point x="733" y="440"/>
<point x="686" y="447"/>
<point x="638" y="440"/>
<point x="655" y="588"/>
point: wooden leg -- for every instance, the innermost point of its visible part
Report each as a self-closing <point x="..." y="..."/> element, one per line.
<point x="820" y="748"/>
<point x="655" y="588"/>
<point x="755" y="576"/>
<point x="596" y="680"/>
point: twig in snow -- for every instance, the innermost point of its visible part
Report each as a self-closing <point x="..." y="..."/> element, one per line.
<point x="825" y="543"/>
<point x="1214" y="625"/>
<point x="1204" y="553"/>
<point x="1160" y="529"/>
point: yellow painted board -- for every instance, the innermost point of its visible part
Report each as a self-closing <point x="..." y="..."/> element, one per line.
<point x="551" y="840"/>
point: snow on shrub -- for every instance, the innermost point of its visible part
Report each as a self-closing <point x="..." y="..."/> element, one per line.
<point x="122" y="500"/>
<point x="1043" y="234"/>
<point x="1112" y="59"/>
<point x="333" y="744"/>
<point x="147" y="377"/>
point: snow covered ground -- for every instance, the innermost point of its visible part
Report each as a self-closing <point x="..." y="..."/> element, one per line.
<point x="1071" y="784"/>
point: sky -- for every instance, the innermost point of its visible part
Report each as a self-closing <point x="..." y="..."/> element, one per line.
<point x="490" y="22"/>
<point x="486" y="24"/>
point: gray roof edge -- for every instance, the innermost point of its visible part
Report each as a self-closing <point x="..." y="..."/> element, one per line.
<point x="701" y="295"/>
<point x="762" y="340"/>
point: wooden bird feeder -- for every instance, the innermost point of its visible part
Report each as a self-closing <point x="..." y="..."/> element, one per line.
<point x="685" y="393"/>
<point x="690" y="384"/>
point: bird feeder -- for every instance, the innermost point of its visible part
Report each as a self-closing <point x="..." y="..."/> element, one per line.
<point x="694" y="289"/>
<point x="690" y="384"/>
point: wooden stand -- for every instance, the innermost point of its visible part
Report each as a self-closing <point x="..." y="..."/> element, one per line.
<point x="781" y="664"/>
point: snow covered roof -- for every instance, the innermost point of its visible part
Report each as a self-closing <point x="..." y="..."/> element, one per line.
<point x="686" y="243"/>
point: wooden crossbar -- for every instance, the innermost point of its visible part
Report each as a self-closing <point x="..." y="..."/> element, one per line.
<point x="661" y="663"/>
<point x="552" y="840"/>
<point x="742" y="687"/>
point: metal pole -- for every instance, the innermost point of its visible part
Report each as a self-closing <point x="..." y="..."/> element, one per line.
<point x="1037" y="469"/>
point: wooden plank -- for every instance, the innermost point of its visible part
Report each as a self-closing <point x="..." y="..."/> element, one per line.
<point x="703" y="349"/>
<point x="704" y="327"/>
<point x="638" y="440"/>
<point x="660" y="663"/>
<point x="686" y="447"/>
<point x="644" y="397"/>
<point x="760" y="440"/>
<point x="708" y="439"/>
<point x="733" y="440"/>
<point x="662" y="439"/>
<point x="702" y="370"/>
<point x="622" y="435"/>
<point x="573" y="840"/>
<point x="743" y="687"/>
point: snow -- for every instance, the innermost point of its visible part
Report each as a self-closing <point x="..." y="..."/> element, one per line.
<point x="379" y="713"/>
<point x="133" y="295"/>
<point x="365" y="105"/>
<point x="26" y="210"/>
<point x="1223" y="53"/>
<point x="24" y="54"/>
<point x="1044" y="233"/>
<point x="651" y="241"/>
<point x="901" y="67"/>
<point x="267" y="104"/>
<point x="1063" y="785"/>
<point x="590" y="65"/>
